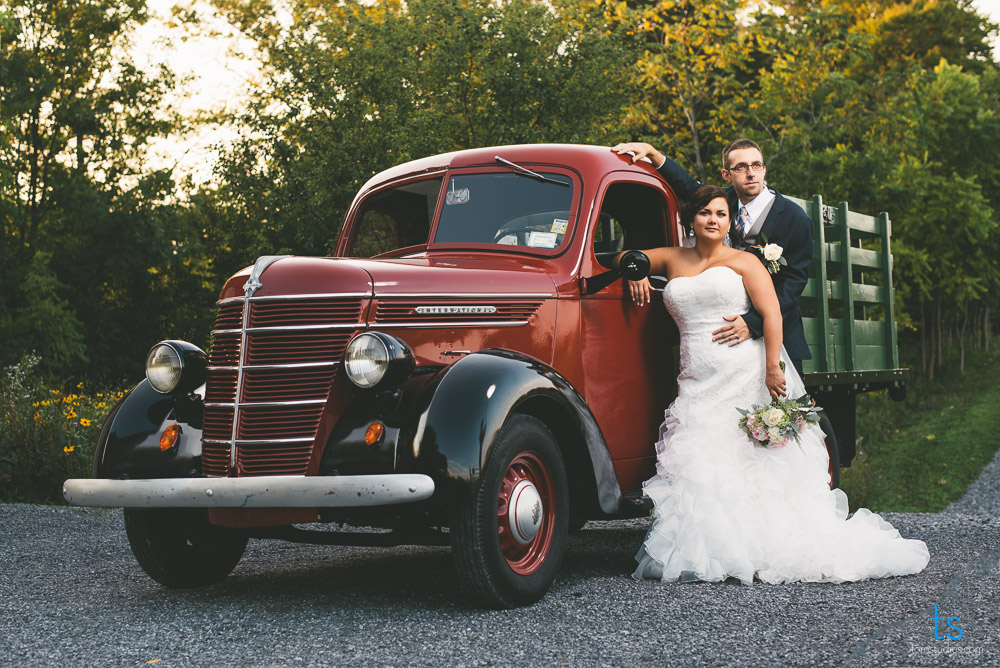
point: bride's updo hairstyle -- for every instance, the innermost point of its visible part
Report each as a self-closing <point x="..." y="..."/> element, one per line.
<point x="699" y="200"/>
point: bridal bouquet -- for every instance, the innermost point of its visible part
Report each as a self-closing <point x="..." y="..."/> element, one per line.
<point x="773" y="425"/>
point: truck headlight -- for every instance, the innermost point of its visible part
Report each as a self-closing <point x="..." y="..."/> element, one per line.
<point x="374" y="358"/>
<point x="175" y="367"/>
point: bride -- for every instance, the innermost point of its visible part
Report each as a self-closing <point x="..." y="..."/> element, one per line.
<point x="724" y="507"/>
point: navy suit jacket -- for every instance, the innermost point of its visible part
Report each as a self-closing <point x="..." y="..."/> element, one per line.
<point x="786" y="225"/>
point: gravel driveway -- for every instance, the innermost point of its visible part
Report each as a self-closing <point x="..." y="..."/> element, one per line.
<point x="72" y="594"/>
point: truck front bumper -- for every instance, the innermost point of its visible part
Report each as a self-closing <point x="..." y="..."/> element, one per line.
<point x="254" y="492"/>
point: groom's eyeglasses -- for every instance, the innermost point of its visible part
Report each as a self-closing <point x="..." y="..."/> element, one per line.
<point x="742" y="167"/>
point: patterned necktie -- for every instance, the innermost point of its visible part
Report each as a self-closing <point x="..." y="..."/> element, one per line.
<point x="744" y="218"/>
<point x="737" y="231"/>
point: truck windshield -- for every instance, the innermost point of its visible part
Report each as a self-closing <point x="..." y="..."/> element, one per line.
<point x="395" y="218"/>
<point x="506" y="209"/>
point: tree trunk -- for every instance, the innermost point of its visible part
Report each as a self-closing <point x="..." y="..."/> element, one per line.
<point x="936" y="361"/>
<point x="923" y="339"/>
<point x="979" y="330"/>
<point x="961" y="338"/>
<point x="986" y="329"/>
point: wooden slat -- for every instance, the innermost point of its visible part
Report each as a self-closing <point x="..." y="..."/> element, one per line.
<point x="823" y="355"/>
<point x="869" y="332"/>
<point x="870" y="294"/>
<point x="847" y="278"/>
<point x="890" y="300"/>
<point x="867" y="226"/>
<point x="861" y="258"/>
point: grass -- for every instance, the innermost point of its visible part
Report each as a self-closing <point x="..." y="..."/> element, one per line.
<point x="919" y="455"/>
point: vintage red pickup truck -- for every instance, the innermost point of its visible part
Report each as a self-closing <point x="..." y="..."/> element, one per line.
<point x="464" y="370"/>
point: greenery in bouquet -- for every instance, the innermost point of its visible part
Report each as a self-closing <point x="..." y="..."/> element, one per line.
<point x="773" y="425"/>
<point x="47" y="432"/>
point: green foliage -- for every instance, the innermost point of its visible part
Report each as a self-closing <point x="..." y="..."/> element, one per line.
<point x="891" y="105"/>
<point x="46" y="434"/>
<point x="694" y="56"/>
<point x="47" y="320"/>
<point x="355" y="87"/>
<point x="89" y="231"/>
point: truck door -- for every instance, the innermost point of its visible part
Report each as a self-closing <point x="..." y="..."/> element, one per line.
<point x="629" y="373"/>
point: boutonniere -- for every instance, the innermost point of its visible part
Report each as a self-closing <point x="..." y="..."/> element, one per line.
<point x="773" y="256"/>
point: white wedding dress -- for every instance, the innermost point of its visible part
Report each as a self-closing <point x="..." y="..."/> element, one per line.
<point x="724" y="507"/>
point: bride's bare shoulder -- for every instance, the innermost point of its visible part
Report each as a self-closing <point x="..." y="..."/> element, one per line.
<point x="741" y="261"/>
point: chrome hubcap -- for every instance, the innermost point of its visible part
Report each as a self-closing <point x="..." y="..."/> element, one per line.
<point x="526" y="512"/>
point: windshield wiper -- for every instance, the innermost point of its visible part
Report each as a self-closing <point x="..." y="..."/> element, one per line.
<point x="528" y="172"/>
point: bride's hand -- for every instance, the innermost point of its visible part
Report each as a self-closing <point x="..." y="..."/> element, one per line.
<point x="775" y="381"/>
<point x="640" y="291"/>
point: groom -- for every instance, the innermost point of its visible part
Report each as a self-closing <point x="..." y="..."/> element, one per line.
<point x="762" y="213"/>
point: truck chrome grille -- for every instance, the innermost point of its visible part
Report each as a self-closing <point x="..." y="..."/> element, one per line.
<point x="275" y="374"/>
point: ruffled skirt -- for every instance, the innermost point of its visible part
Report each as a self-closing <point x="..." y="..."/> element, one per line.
<point x="724" y="507"/>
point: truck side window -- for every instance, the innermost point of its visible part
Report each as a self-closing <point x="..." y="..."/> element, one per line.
<point x="632" y="216"/>
<point x="396" y="218"/>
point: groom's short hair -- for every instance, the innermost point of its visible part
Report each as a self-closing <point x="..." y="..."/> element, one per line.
<point x="736" y="146"/>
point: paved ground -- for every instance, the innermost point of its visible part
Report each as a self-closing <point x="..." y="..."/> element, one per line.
<point x="71" y="594"/>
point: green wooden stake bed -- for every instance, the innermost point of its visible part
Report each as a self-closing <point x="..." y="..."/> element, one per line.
<point x="848" y="315"/>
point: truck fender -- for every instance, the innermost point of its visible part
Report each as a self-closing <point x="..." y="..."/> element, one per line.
<point x="468" y="406"/>
<point x="129" y="442"/>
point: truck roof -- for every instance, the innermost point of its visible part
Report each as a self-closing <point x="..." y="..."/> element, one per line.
<point x="589" y="160"/>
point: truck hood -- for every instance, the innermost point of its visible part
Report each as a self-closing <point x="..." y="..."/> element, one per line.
<point x="444" y="275"/>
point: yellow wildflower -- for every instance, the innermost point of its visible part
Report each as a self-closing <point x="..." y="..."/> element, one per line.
<point x="69" y="448"/>
<point x="79" y="385"/>
<point x="71" y="414"/>
<point x="100" y="404"/>
<point x="84" y="422"/>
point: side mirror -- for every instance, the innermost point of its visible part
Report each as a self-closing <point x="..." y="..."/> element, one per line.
<point x="634" y="266"/>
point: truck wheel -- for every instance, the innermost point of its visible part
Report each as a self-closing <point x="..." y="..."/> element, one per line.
<point x="509" y="538"/>
<point x="831" y="448"/>
<point x="178" y="547"/>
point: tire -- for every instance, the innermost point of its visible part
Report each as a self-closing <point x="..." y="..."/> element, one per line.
<point x="502" y="562"/>
<point x="178" y="547"/>
<point x="831" y="448"/>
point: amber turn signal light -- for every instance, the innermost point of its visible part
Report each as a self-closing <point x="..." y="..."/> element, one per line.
<point x="374" y="433"/>
<point x="169" y="437"/>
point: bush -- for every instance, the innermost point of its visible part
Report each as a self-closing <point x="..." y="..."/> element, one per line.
<point x="47" y="433"/>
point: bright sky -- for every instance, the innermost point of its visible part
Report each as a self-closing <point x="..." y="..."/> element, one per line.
<point x="216" y="59"/>
<point x="220" y="71"/>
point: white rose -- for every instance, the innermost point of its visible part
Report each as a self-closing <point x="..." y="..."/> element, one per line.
<point x="774" y="434"/>
<point x="772" y="252"/>
<point x="773" y="416"/>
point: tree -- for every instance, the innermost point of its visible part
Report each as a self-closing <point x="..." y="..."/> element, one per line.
<point x="85" y="222"/>
<point x="355" y="87"/>
<point x="694" y="55"/>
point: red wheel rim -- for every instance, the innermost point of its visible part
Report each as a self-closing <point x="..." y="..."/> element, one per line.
<point x="528" y="558"/>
